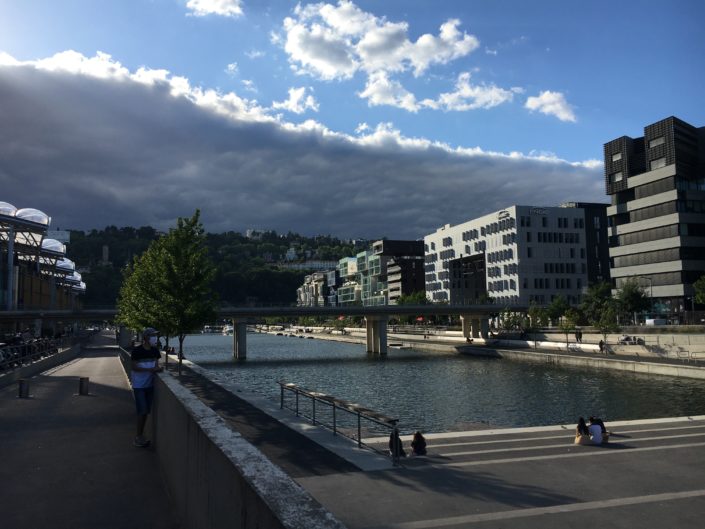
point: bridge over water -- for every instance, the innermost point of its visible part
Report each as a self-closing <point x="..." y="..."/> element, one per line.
<point x="474" y="318"/>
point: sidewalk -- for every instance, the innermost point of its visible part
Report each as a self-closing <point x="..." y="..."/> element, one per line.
<point x="68" y="460"/>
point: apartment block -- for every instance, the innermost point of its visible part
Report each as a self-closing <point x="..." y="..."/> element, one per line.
<point x="657" y="216"/>
<point x="518" y="255"/>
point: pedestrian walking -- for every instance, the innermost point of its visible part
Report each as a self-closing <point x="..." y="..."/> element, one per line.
<point x="145" y="363"/>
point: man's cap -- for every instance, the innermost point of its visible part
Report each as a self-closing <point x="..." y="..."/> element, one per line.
<point x="150" y="331"/>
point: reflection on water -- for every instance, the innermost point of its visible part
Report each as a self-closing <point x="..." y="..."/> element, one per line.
<point x="436" y="392"/>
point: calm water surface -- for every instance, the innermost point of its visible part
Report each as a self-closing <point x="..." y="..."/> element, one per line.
<point x="436" y="392"/>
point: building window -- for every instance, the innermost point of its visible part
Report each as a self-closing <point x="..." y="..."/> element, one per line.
<point x="616" y="157"/>
<point x="657" y="163"/>
<point x="616" y="177"/>
<point x="433" y="246"/>
<point x="656" y="142"/>
<point x="544" y="221"/>
<point x="528" y="253"/>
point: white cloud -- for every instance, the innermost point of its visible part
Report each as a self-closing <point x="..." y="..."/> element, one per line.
<point x="254" y="54"/>
<point x="380" y="90"/>
<point x="298" y="102"/>
<point x="362" y="127"/>
<point x="89" y="131"/>
<point x="552" y="104"/>
<point x="232" y="69"/>
<point x="334" y="41"/>
<point x="249" y="85"/>
<point x="226" y="8"/>
<point x="468" y="96"/>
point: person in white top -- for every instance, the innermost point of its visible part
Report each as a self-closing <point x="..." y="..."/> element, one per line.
<point x="595" y="432"/>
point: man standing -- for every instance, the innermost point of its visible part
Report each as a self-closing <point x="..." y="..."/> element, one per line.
<point x="145" y="362"/>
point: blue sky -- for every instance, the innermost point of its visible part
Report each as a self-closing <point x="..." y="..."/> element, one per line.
<point x="509" y="84"/>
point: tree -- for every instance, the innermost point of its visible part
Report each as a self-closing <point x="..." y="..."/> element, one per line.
<point x="169" y="287"/>
<point x="631" y="298"/>
<point x="607" y="321"/>
<point x="415" y="298"/>
<point x="557" y="308"/>
<point x="597" y="298"/>
<point x="568" y="323"/>
<point x="538" y="318"/>
<point x="699" y="287"/>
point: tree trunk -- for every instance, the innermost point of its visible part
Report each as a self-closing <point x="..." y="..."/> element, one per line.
<point x="181" y="350"/>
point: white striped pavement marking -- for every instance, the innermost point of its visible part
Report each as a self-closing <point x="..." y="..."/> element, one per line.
<point x="562" y="445"/>
<point x="563" y="436"/>
<point x="540" y="511"/>
<point x="591" y="453"/>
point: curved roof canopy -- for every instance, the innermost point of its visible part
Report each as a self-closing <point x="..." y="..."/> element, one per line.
<point x="66" y="265"/>
<point x="33" y="215"/>
<point x="74" y="278"/>
<point x="52" y="245"/>
<point x="7" y="209"/>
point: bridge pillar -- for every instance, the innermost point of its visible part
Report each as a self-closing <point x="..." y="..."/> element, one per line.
<point x="376" y="327"/>
<point x="475" y="324"/>
<point x="485" y="328"/>
<point x="239" y="339"/>
<point x="466" y="322"/>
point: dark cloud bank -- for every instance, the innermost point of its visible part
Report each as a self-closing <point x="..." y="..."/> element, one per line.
<point x="92" y="152"/>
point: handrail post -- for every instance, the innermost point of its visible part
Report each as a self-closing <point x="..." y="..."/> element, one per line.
<point x="297" y="402"/>
<point x="335" y="431"/>
<point x="313" y="406"/>
<point x="281" y="400"/>
<point x="359" y="431"/>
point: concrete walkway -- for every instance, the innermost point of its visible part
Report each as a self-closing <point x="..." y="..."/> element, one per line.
<point x="651" y="475"/>
<point x="68" y="461"/>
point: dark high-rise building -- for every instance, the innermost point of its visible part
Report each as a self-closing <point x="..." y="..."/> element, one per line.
<point x="657" y="216"/>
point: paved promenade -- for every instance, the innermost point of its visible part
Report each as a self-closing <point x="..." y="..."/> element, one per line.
<point x="68" y="460"/>
<point x="651" y="475"/>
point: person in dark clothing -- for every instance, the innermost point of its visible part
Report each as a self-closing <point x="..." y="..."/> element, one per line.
<point x="418" y="445"/>
<point x="582" y="433"/>
<point x="396" y="448"/>
<point x="145" y="363"/>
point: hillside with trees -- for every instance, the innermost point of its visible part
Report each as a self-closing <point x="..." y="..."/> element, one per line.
<point x="248" y="270"/>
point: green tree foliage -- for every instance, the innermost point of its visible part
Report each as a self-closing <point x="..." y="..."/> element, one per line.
<point x="597" y="298"/>
<point x="607" y="321"/>
<point x="415" y="298"/>
<point x="557" y="309"/>
<point x="699" y="287"/>
<point x="632" y="299"/>
<point x="247" y="270"/>
<point x="170" y="286"/>
<point x="568" y="323"/>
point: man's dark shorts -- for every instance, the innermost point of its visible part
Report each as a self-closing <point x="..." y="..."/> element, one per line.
<point x="143" y="400"/>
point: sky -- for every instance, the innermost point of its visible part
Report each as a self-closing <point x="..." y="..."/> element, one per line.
<point x="349" y="118"/>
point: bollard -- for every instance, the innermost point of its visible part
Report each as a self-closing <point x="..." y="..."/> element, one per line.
<point x="83" y="386"/>
<point x="23" y="390"/>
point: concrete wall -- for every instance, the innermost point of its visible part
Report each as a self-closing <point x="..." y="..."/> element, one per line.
<point x="649" y="368"/>
<point x="40" y="365"/>
<point x="216" y="478"/>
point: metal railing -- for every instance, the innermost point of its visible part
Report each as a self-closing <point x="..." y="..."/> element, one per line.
<point x="323" y="410"/>
<point x="15" y="356"/>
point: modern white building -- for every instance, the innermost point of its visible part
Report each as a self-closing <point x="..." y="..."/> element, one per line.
<point x="518" y="255"/>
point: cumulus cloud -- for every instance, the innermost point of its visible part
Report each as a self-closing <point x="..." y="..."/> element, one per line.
<point x="298" y="102"/>
<point x="380" y="90"/>
<point x="334" y="42"/>
<point x="100" y="144"/>
<point x="225" y="8"/>
<point x="468" y="96"/>
<point x="232" y="69"/>
<point x="552" y="104"/>
<point x="255" y="54"/>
